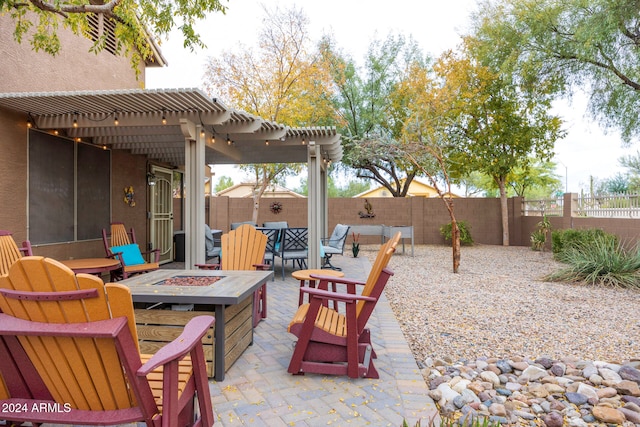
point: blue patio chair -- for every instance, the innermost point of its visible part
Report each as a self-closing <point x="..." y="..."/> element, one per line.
<point x="334" y="245"/>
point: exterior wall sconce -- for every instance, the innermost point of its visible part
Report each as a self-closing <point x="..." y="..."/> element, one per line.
<point x="151" y="179"/>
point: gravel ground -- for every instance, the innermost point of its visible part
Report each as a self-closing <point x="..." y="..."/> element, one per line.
<point x="498" y="306"/>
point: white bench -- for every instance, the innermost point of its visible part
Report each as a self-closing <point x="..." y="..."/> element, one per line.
<point x="385" y="232"/>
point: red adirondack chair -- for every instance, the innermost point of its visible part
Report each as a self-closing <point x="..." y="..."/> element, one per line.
<point x="333" y="343"/>
<point x="80" y="358"/>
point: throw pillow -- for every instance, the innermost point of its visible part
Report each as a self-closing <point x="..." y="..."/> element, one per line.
<point x="130" y="254"/>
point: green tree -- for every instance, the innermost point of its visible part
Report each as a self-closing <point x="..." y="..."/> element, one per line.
<point x="39" y="21"/>
<point x="496" y="120"/>
<point x="536" y="180"/>
<point x="590" y="45"/>
<point x="370" y="124"/>
<point x="632" y="163"/>
<point x="352" y="188"/>
<point x="281" y="81"/>
<point x="223" y="183"/>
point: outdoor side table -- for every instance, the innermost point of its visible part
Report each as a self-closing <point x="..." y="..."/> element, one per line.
<point x="305" y="276"/>
<point x="92" y="265"/>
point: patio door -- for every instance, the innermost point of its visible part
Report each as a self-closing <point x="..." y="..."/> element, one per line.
<point x="161" y="199"/>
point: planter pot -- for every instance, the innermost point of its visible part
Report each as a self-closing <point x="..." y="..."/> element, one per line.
<point x="355" y="249"/>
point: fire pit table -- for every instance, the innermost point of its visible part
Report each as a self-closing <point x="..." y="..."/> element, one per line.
<point x="165" y="300"/>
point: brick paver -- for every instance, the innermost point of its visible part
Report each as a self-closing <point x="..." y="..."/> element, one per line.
<point x="258" y="390"/>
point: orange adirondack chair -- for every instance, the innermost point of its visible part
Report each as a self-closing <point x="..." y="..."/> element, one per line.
<point x="10" y="252"/>
<point x="80" y="336"/>
<point x="119" y="237"/>
<point x="340" y="344"/>
<point x="243" y="249"/>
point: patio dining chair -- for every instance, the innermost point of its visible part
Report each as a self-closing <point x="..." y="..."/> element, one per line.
<point x="294" y="247"/>
<point x="334" y="245"/>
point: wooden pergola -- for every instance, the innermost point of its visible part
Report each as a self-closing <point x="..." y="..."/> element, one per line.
<point x="187" y="129"/>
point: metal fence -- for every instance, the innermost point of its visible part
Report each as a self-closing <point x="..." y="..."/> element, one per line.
<point x="587" y="206"/>
<point x="549" y="207"/>
<point x="608" y="206"/>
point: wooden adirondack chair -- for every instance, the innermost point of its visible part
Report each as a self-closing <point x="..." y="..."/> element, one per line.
<point x="120" y="237"/>
<point x="334" y="343"/>
<point x="80" y="336"/>
<point x="10" y="252"/>
<point x="243" y="249"/>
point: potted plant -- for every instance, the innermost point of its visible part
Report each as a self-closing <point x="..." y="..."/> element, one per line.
<point x="355" y="245"/>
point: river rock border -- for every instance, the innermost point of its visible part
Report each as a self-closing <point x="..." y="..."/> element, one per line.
<point x="544" y="391"/>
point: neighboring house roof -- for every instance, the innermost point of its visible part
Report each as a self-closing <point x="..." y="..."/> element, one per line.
<point x="416" y="189"/>
<point x="245" y="190"/>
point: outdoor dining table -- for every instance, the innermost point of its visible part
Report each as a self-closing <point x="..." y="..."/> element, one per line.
<point x="229" y="298"/>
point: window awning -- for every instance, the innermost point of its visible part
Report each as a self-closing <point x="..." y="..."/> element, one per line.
<point x="147" y="122"/>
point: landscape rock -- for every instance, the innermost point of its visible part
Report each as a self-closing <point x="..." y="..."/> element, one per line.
<point x="630" y="415"/>
<point x="608" y="415"/>
<point x="536" y="395"/>
<point x="554" y="419"/>
<point x="627" y="387"/>
<point x="630" y="373"/>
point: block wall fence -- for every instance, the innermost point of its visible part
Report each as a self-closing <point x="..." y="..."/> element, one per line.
<point x="426" y="215"/>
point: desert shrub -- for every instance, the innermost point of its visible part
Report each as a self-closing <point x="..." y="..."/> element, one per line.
<point x="600" y="261"/>
<point x="465" y="233"/>
<point x="563" y="240"/>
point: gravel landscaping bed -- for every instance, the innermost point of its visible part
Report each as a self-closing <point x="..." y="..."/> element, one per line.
<point x="497" y="305"/>
<point x="495" y="340"/>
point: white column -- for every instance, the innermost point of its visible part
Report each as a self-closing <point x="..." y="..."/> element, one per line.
<point x="194" y="181"/>
<point x="315" y="209"/>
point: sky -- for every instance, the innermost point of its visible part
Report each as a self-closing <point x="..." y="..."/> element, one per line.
<point x="436" y="26"/>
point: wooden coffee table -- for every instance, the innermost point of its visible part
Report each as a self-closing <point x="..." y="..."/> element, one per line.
<point x="305" y="276"/>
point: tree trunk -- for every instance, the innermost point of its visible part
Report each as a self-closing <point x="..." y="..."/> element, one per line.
<point x="455" y="243"/>
<point x="504" y="210"/>
<point x="257" y="195"/>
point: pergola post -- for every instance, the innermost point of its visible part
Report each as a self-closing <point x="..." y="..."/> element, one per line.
<point x="194" y="181"/>
<point x="315" y="210"/>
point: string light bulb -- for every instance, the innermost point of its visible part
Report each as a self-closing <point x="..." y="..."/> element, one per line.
<point x="213" y="139"/>
<point x="164" y="117"/>
<point x="75" y="122"/>
<point x="202" y="133"/>
<point x="116" y="122"/>
<point x="29" y="123"/>
<point x="304" y="139"/>
<point x="266" y="142"/>
<point x="228" y="140"/>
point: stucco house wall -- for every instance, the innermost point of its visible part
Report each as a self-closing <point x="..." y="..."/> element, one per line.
<point x="74" y="68"/>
